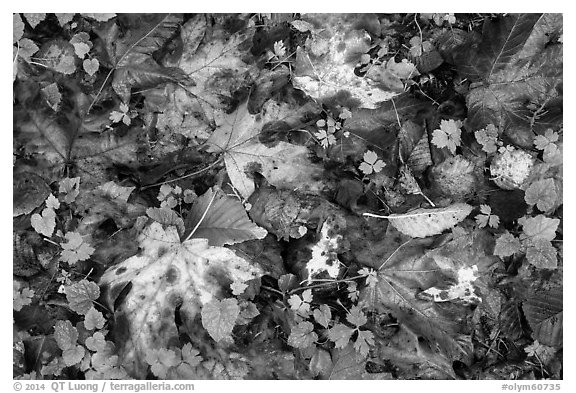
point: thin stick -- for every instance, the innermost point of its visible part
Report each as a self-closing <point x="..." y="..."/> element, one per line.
<point x="182" y="177"/>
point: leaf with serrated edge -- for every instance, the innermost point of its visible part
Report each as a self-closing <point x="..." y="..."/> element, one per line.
<point x="219" y="317"/>
<point x="167" y="273"/>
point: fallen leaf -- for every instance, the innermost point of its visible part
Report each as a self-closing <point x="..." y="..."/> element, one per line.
<point x="44" y="224"/>
<point x="219" y="317"/>
<point x="427" y="222"/>
<point x="221" y="220"/>
<point x="328" y="74"/>
<point x="167" y="274"/>
<point x="284" y="165"/>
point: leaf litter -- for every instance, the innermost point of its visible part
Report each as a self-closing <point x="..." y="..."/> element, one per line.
<point x="288" y="196"/>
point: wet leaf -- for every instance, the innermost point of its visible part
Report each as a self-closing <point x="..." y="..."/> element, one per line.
<point x="427" y="222"/>
<point x="167" y="274"/>
<point x="219" y="317"/>
<point x="221" y="220"/>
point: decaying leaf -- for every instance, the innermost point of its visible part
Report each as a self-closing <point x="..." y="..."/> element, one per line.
<point x="512" y="78"/>
<point x="328" y="74"/>
<point x="544" y="312"/>
<point x="427" y="222"/>
<point x="166" y="275"/>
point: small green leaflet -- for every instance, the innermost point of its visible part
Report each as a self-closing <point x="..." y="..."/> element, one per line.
<point x="96" y="343"/>
<point x="302" y="335"/>
<point x="219" y="317"/>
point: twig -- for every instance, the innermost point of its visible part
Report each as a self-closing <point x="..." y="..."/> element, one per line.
<point x="182" y="177"/>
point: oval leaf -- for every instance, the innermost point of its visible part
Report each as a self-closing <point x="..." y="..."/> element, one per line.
<point x="218" y="318"/>
<point x="428" y="222"/>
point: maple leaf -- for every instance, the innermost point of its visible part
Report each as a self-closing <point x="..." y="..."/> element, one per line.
<point x="219" y="317"/>
<point x="506" y="245"/>
<point x="284" y="165"/>
<point x="302" y="335"/>
<point x="542" y="193"/>
<point x="169" y="273"/>
<point x="324" y="68"/>
<point x="371" y="163"/>
<point x="415" y="267"/>
<point x="448" y="135"/>
<point x="76" y="249"/>
<point x="515" y="66"/>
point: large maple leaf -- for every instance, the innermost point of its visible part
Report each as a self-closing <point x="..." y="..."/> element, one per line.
<point x="410" y="269"/>
<point x="283" y="164"/>
<point x="519" y="75"/>
<point x="325" y="68"/>
<point x="61" y="148"/>
<point x="167" y="275"/>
